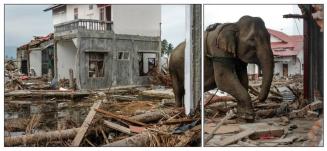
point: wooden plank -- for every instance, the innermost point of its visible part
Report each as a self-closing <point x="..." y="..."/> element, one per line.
<point x="39" y="137"/>
<point x="111" y="115"/>
<point x="46" y="93"/>
<point x="235" y="138"/>
<point x="229" y="115"/>
<point x="78" y="138"/>
<point x="117" y="127"/>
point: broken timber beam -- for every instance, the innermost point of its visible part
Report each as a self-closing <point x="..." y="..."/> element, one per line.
<point x="87" y="122"/>
<point x="218" y="99"/>
<point x="117" y="127"/>
<point x="150" y="116"/>
<point x="39" y="137"/>
<point x="111" y="115"/>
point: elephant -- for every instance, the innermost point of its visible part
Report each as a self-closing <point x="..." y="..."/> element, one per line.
<point x="228" y="48"/>
<point x="176" y="70"/>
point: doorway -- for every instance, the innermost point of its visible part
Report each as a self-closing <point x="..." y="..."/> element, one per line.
<point x="285" y="70"/>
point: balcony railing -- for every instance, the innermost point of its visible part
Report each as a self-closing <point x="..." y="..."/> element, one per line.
<point x="84" y="24"/>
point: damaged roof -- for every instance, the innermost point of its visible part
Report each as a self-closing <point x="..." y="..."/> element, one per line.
<point x="36" y="42"/>
<point x="289" y="45"/>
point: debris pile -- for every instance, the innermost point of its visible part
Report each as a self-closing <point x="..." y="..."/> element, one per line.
<point x="114" y="117"/>
<point x="282" y="120"/>
<point x="160" y="78"/>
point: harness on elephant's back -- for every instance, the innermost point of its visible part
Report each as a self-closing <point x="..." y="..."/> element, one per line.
<point x="231" y="61"/>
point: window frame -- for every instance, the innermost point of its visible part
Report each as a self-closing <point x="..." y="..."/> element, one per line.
<point x="96" y="57"/>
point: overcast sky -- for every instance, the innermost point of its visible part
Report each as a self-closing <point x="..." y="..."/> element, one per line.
<point x="271" y="14"/>
<point x="22" y="22"/>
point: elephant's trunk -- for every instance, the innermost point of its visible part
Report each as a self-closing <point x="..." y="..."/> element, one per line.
<point x="266" y="60"/>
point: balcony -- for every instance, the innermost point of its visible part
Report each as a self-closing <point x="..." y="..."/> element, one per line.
<point x="84" y="24"/>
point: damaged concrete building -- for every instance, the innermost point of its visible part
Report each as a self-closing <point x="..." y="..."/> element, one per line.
<point x="106" y="45"/>
<point x="36" y="57"/>
<point x="288" y="55"/>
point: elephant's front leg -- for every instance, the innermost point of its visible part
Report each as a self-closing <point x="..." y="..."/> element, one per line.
<point x="227" y="80"/>
<point x="244" y="107"/>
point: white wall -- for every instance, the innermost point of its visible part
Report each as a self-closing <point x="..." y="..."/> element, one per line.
<point x="83" y="13"/>
<point x="145" y="60"/>
<point x="66" y="53"/>
<point x="141" y="20"/>
<point x="278" y="68"/>
<point x="36" y="61"/>
<point x="294" y="67"/>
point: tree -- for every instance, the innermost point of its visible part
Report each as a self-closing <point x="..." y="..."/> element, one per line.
<point x="164" y="46"/>
<point x="170" y="48"/>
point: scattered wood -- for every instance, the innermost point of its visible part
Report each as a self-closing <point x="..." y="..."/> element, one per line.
<point x="229" y="115"/>
<point x="78" y="138"/>
<point x="192" y="134"/>
<point x="46" y="93"/>
<point x="111" y="115"/>
<point x="151" y="116"/>
<point x="302" y="112"/>
<point x="178" y="121"/>
<point x="275" y="93"/>
<point x="39" y="137"/>
<point x="159" y="93"/>
<point x="117" y="127"/>
<point x="138" y="140"/>
<point x="123" y="97"/>
<point x="235" y="138"/>
<point x="104" y="136"/>
<point x="254" y="91"/>
<point x="215" y="99"/>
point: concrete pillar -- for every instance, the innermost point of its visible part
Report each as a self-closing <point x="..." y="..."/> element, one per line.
<point x="192" y="62"/>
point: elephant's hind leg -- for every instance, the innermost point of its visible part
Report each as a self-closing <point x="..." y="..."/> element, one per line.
<point x="178" y="91"/>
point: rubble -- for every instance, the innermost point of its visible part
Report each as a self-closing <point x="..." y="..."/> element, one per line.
<point x="282" y="120"/>
<point x="119" y="116"/>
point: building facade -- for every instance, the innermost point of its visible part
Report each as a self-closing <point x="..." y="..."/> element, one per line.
<point x="106" y="45"/>
<point x="36" y="58"/>
<point x="288" y="55"/>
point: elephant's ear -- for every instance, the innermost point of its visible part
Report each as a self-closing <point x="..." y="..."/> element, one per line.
<point x="227" y="38"/>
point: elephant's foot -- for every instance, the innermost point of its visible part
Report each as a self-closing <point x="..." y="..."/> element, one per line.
<point x="245" y="114"/>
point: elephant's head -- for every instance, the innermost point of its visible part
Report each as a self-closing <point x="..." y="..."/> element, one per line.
<point x="249" y="40"/>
